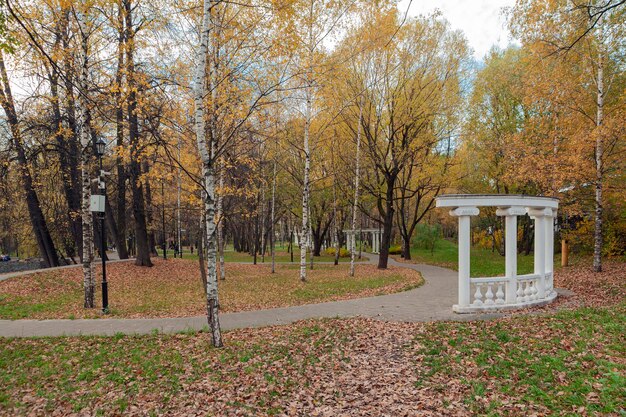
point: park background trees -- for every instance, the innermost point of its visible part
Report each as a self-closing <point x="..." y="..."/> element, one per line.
<point x="271" y="122"/>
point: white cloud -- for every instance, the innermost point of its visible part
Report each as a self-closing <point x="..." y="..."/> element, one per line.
<point x="482" y="21"/>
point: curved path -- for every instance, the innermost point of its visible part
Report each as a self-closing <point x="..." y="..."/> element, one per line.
<point x="431" y="302"/>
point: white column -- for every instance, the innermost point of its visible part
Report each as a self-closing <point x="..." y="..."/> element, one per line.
<point x="464" y="214"/>
<point x="549" y="229"/>
<point x="540" y="247"/>
<point x="374" y="243"/>
<point x="377" y="240"/>
<point x="510" y="220"/>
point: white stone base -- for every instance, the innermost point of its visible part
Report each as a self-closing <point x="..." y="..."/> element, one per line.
<point x="504" y="307"/>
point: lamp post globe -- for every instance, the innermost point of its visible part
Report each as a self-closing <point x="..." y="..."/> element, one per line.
<point x="100" y="147"/>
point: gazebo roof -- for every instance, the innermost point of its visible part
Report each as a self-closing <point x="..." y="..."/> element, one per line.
<point x="496" y="200"/>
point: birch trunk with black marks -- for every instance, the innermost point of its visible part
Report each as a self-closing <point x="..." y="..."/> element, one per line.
<point x="305" y="237"/>
<point x="597" y="234"/>
<point x="89" y="280"/>
<point x="357" y="173"/>
<point x="304" y="241"/>
<point x="200" y="92"/>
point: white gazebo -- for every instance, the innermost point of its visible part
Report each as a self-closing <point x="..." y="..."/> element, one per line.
<point x="351" y="239"/>
<point x="510" y="291"/>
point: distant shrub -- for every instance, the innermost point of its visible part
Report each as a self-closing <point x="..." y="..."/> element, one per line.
<point x="395" y="250"/>
<point x="426" y="236"/>
<point x="343" y="252"/>
<point x="614" y="242"/>
<point x="485" y="240"/>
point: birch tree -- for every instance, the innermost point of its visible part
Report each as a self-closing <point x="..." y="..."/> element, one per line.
<point x="233" y="39"/>
<point x="86" y="146"/>
<point x="208" y="175"/>
<point x="583" y="46"/>
<point x="357" y="176"/>
<point x="315" y="21"/>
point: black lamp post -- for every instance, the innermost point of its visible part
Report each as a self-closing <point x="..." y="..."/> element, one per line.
<point x="100" y="147"/>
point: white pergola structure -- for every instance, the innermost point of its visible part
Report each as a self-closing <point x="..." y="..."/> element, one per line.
<point x="510" y="291"/>
<point x="351" y="239"/>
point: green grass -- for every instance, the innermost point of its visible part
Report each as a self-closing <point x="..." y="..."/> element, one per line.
<point x="483" y="263"/>
<point x="557" y="364"/>
<point x="15" y="308"/>
<point x="565" y="363"/>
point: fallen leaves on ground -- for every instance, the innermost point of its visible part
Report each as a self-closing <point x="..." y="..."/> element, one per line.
<point x="172" y="288"/>
<point x="571" y="363"/>
<point x="594" y="288"/>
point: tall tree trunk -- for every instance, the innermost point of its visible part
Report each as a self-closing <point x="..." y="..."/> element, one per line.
<point x="310" y="239"/>
<point x="387" y="214"/>
<point x="263" y="222"/>
<point x="71" y="186"/>
<point x="202" y="251"/>
<point x="86" y="145"/>
<point x="355" y="203"/>
<point x="305" y="187"/>
<point x="139" y="207"/>
<point x="305" y="238"/>
<point x="406" y="247"/>
<point x="139" y="214"/>
<point x="68" y="144"/>
<point x="40" y="228"/>
<point x="111" y="227"/>
<point x="179" y="247"/>
<point x="255" y="245"/>
<point x="122" y="249"/>
<point x="597" y="235"/>
<point x="145" y="167"/>
<point x="336" y="221"/>
<point x="74" y="147"/>
<point x="200" y="92"/>
<point x="220" y="224"/>
<point x="273" y="220"/>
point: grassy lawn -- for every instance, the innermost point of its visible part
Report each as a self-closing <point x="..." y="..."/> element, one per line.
<point x="173" y="288"/>
<point x="484" y="262"/>
<point x="570" y="363"/>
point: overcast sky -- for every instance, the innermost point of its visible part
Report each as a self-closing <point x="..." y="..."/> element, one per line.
<point x="481" y="20"/>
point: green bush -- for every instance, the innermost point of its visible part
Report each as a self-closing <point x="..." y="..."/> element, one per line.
<point x="426" y="236"/>
<point x="395" y="250"/>
<point x="343" y="253"/>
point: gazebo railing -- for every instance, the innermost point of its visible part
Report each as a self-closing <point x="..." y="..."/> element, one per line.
<point x="488" y="291"/>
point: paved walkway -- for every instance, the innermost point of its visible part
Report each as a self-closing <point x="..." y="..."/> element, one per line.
<point x="430" y="302"/>
<point x="112" y="259"/>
